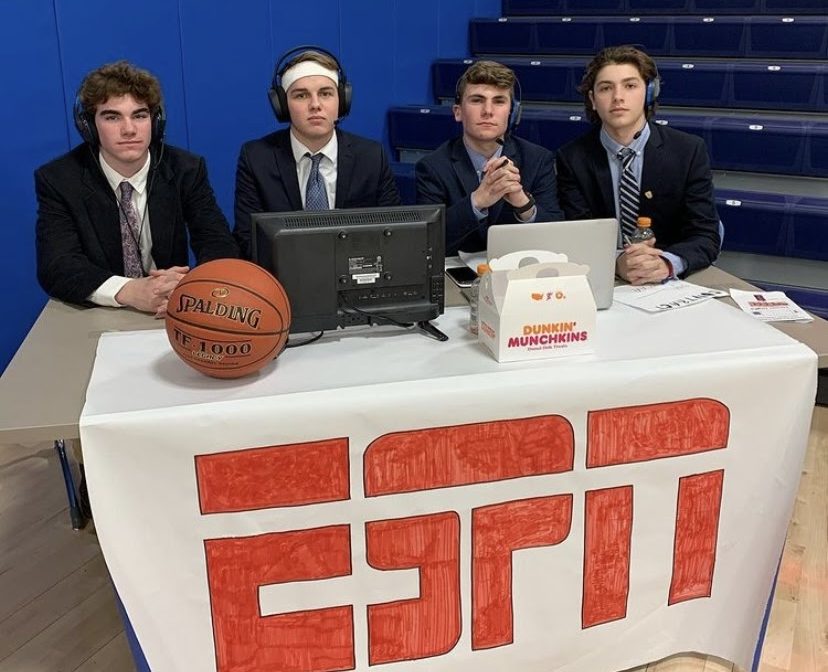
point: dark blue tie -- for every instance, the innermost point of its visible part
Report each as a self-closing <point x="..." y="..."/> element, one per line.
<point x="316" y="196"/>
<point x="627" y="192"/>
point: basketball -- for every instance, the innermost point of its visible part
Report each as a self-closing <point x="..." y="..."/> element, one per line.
<point x="228" y="318"/>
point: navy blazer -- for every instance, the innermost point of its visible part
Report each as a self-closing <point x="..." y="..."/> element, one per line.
<point x="266" y="179"/>
<point x="79" y="231"/>
<point x="676" y="190"/>
<point x="448" y="176"/>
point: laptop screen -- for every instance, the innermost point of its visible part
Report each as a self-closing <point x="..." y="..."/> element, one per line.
<point x="588" y="241"/>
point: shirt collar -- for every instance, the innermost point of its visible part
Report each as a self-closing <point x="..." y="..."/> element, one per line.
<point x="637" y="145"/>
<point x="479" y="160"/>
<point x="138" y="181"/>
<point x="299" y="150"/>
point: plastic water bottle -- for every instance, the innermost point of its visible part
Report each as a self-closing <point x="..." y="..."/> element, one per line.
<point x="474" y="298"/>
<point x="642" y="232"/>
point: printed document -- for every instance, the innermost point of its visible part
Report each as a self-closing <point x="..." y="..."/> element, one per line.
<point x="769" y="306"/>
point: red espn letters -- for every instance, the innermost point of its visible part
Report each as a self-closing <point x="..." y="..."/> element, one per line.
<point x="442" y="457"/>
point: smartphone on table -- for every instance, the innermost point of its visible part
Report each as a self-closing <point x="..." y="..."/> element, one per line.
<point x="463" y="276"/>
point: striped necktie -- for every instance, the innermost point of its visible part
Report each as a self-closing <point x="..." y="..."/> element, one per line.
<point x="627" y="192"/>
<point x="130" y="232"/>
<point x="316" y="197"/>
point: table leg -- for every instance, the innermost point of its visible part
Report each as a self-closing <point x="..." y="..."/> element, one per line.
<point x="77" y="518"/>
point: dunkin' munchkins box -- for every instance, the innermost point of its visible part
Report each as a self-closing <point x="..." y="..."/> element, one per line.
<point x="536" y="310"/>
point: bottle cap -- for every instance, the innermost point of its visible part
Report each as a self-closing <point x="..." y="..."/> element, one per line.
<point x="645" y="222"/>
<point x="482" y="268"/>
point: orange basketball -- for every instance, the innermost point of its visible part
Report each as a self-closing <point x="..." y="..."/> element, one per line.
<point x="228" y="318"/>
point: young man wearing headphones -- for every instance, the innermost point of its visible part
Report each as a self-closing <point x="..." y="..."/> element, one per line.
<point x="311" y="165"/>
<point x="487" y="176"/>
<point x="670" y="172"/>
<point x="115" y="213"/>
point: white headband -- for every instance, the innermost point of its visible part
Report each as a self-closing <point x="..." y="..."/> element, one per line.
<point x="305" y="69"/>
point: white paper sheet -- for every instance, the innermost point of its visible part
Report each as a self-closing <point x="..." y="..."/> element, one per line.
<point x="769" y="306"/>
<point x="669" y="296"/>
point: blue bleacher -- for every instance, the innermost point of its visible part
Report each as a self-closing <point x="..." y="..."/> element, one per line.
<point x="551" y="81"/>
<point x="816" y="154"/>
<point x="754" y="72"/>
<point x="721" y="36"/>
<point x="809" y="227"/>
<point x="718" y="7"/>
<point x="406" y="183"/>
<point x="766" y="85"/>
<point x="754" y="222"/>
<point x="778" y="86"/>
<point x="750" y="143"/>
<point x="814" y="301"/>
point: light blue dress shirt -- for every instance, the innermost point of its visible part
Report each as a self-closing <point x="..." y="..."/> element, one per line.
<point x="637" y="145"/>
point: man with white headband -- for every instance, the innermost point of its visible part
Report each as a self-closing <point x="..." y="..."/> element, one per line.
<point x="312" y="165"/>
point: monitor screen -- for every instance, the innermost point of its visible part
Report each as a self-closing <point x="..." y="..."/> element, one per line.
<point x="343" y="268"/>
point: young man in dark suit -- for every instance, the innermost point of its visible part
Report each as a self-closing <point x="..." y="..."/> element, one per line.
<point x="672" y="183"/>
<point x="115" y="213"/>
<point x="487" y="176"/>
<point x="312" y="165"/>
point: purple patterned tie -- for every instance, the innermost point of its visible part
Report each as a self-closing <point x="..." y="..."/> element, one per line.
<point x="130" y="233"/>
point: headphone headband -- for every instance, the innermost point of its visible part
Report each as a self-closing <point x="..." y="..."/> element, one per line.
<point x="278" y="96"/>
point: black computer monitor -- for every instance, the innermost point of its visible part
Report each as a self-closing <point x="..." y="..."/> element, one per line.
<point x="343" y="268"/>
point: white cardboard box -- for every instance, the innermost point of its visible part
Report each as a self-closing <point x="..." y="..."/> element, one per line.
<point x="538" y="311"/>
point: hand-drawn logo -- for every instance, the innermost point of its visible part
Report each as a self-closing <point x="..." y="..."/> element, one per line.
<point x="461" y="456"/>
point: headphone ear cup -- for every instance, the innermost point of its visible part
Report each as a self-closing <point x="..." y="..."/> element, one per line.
<point x="278" y="101"/>
<point x="159" y="125"/>
<point x="651" y="94"/>
<point x="345" y="92"/>
<point x="514" y="115"/>
<point x="84" y="123"/>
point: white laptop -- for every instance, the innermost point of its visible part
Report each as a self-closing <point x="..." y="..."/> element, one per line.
<point x="586" y="241"/>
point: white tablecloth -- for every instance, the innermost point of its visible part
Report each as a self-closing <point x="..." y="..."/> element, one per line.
<point x="150" y="421"/>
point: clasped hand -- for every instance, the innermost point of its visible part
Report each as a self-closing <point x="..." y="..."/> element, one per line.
<point x="642" y="264"/>
<point x="151" y="293"/>
<point x="501" y="179"/>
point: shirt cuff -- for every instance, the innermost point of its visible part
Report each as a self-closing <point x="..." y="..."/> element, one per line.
<point x="480" y="214"/>
<point x="678" y="264"/>
<point x="105" y="294"/>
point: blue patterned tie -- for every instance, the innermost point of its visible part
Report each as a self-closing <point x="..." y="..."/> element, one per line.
<point x="627" y="192"/>
<point x="130" y="232"/>
<point x="316" y="197"/>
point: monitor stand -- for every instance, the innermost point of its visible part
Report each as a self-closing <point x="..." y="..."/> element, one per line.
<point x="431" y="331"/>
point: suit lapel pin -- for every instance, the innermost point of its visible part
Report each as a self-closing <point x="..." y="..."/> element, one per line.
<point x="648" y="194"/>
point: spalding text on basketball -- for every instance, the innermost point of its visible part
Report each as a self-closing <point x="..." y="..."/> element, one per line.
<point x="241" y="314"/>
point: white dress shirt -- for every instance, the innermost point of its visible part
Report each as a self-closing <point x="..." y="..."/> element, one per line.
<point x="327" y="166"/>
<point x="105" y="294"/>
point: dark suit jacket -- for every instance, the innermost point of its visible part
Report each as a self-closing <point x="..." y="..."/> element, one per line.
<point x="676" y="190"/>
<point x="448" y="176"/>
<point x="266" y="179"/>
<point x="79" y="232"/>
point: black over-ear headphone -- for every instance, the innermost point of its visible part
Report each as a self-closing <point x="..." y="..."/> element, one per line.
<point x="278" y="96"/>
<point x="653" y="89"/>
<point x="652" y="92"/>
<point x="514" y="109"/>
<point x="85" y="123"/>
